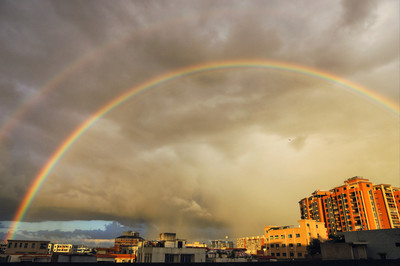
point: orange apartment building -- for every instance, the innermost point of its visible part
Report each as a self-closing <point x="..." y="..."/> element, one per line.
<point x="288" y="242"/>
<point x="356" y="205"/>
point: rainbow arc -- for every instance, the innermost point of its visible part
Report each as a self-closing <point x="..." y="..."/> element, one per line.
<point x="184" y="72"/>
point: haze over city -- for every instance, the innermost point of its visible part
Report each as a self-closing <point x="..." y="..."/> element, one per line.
<point x="222" y="152"/>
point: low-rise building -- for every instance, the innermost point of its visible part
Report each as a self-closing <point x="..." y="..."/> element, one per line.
<point x="28" y="251"/>
<point x="62" y="248"/>
<point x="168" y="249"/>
<point x="27" y="247"/>
<point x="221" y="244"/>
<point x="253" y="245"/>
<point x="289" y="242"/>
<point x="368" y="244"/>
<point x="128" y="240"/>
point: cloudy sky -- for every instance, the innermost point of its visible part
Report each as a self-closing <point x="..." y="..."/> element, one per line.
<point x="218" y="153"/>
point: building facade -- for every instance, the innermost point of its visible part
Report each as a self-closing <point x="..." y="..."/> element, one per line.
<point x="288" y="242"/>
<point x="252" y="245"/>
<point x="356" y="205"/>
<point x="62" y="248"/>
<point x="27" y="247"/>
<point x="128" y="240"/>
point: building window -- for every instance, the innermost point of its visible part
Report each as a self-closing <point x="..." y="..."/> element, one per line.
<point x="297" y="235"/>
<point x="284" y="254"/>
<point x="9" y="245"/>
<point x="272" y="245"/>
<point x="272" y="254"/>
<point x="316" y="226"/>
<point x="291" y="245"/>
<point x="15" y="245"/>
<point x="26" y="245"/>
<point x="276" y="237"/>
<point x="278" y="254"/>
<point x="282" y="236"/>
<point x="299" y="244"/>
<point x="271" y="237"/>
<point x="33" y="245"/>
<point x="299" y="254"/>
<point x="290" y="235"/>
<point x="291" y="254"/>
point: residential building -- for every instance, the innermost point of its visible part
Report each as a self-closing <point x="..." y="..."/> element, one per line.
<point x="221" y="244"/>
<point x="128" y="240"/>
<point x="253" y="245"/>
<point x="356" y="205"/>
<point x="387" y="207"/>
<point x="28" y="251"/>
<point x="196" y="245"/>
<point x="289" y="242"/>
<point x="368" y="244"/>
<point x="27" y="247"/>
<point x="61" y="248"/>
<point x="168" y="249"/>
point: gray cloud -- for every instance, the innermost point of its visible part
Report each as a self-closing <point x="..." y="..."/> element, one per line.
<point x="199" y="154"/>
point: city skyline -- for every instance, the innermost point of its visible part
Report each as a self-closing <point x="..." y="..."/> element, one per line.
<point x="223" y="150"/>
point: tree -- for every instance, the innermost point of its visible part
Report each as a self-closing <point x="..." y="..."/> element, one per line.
<point x="314" y="248"/>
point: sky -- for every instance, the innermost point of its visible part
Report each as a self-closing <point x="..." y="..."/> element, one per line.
<point x="218" y="153"/>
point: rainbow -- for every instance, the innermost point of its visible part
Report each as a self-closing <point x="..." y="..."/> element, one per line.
<point x="179" y="73"/>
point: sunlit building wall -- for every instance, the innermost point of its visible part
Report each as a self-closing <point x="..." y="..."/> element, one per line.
<point x="289" y="242"/>
<point x="253" y="245"/>
<point x="356" y="205"/>
<point x="387" y="207"/>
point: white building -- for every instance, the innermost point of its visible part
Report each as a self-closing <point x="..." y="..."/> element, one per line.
<point x="168" y="249"/>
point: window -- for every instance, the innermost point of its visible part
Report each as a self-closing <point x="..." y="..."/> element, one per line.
<point x="283" y="245"/>
<point x="291" y="254"/>
<point x="278" y="254"/>
<point x="291" y="245"/>
<point x="299" y="244"/>
<point x="33" y="245"/>
<point x="272" y="254"/>
<point x="9" y="245"/>
<point x="284" y="254"/>
<point x="290" y="236"/>
<point x="297" y="235"/>
<point x="272" y="245"/>
<point x="276" y="237"/>
<point x="316" y="226"/>
<point x="299" y="254"/>
<point x="15" y="245"/>
<point x="26" y="245"/>
<point x="271" y="237"/>
<point x="282" y="236"/>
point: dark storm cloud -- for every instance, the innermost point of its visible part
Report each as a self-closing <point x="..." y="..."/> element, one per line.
<point x="190" y="152"/>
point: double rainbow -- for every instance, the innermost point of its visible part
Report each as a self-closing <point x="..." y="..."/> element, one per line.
<point x="183" y="72"/>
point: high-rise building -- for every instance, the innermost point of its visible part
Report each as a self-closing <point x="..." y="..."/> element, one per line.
<point x="356" y="205"/>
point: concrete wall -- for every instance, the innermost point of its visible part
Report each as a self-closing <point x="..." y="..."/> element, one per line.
<point x="384" y="243"/>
